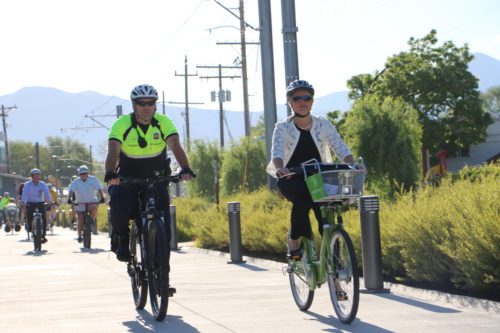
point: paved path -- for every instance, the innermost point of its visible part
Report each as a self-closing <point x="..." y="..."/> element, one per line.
<point x="67" y="289"/>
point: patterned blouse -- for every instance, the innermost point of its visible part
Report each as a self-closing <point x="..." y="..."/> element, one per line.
<point x="325" y="136"/>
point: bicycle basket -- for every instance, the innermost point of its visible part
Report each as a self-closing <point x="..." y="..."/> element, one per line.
<point x="330" y="183"/>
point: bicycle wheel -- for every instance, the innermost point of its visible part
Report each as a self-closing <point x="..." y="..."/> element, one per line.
<point x="158" y="253"/>
<point x="37" y="235"/>
<point x="136" y="269"/>
<point x="87" y="231"/>
<point x="343" y="276"/>
<point x="299" y="274"/>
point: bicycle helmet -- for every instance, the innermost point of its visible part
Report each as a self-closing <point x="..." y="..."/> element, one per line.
<point x="35" y="172"/>
<point x="143" y="91"/>
<point x="299" y="85"/>
<point x="83" y="169"/>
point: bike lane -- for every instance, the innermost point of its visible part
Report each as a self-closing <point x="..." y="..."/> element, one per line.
<point x="67" y="289"/>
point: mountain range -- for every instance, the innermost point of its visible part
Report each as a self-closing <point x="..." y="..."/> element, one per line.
<point x="43" y="112"/>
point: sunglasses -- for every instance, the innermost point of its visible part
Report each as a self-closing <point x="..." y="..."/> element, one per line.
<point x="302" y="98"/>
<point x="142" y="103"/>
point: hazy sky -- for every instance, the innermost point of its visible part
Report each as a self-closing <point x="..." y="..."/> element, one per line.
<point x="109" y="46"/>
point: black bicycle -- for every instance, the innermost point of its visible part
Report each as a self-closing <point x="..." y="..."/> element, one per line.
<point x="37" y="229"/>
<point x="149" y="248"/>
<point x="89" y="224"/>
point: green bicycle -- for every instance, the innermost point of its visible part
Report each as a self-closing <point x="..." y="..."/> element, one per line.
<point x="331" y="185"/>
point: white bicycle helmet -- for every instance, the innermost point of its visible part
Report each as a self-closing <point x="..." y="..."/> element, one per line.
<point x="83" y="169"/>
<point x="35" y="172"/>
<point x="143" y="91"/>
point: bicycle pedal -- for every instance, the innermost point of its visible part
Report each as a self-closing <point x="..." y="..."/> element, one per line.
<point x="171" y="291"/>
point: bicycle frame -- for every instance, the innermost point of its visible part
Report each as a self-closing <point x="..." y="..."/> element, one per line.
<point x="318" y="266"/>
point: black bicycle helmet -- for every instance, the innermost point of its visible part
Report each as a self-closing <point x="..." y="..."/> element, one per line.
<point x="299" y="85"/>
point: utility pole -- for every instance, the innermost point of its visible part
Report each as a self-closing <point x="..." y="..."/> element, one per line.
<point x="268" y="84"/>
<point x="243" y="62"/>
<point x="4" y="115"/>
<point x="186" y="101"/>
<point x="290" y="43"/>
<point x="221" y="95"/>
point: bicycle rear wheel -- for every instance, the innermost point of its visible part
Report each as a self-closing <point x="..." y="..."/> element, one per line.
<point x="136" y="269"/>
<point x="343" y="276"/>
<point x="158" y="255"/>
<point x="299" y="274"/>
<point x="87" y="231"/>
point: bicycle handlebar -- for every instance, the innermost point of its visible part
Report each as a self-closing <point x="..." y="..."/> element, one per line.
<point x="175" y="178"/>
<point x="312" y="168"/>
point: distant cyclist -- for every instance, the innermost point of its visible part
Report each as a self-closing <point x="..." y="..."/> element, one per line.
<point x="3" y="203"/>
<point x="51" y="213"/>
<point x="86" y="189"/>
<point x="35" y="195"/>
<point x="137" y="147"/>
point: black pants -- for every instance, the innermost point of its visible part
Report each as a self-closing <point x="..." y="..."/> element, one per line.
<point x="30" y="209"/>
<point x="295" y="190"/>
<point x="124" y="206"/>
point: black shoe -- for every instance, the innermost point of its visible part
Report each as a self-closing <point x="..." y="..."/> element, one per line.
<point x="123" y="252"/>
<point x="80" y="239"/>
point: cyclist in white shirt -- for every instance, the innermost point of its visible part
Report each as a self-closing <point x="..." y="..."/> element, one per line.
<point x="87" y="189"/>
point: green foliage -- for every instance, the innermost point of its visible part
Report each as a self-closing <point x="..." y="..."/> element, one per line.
<point x="201" y="158"/>
<point x="243" y="165"/>
<point x="258" y="130"/>
<point x="435" y="80"/>
<point x="447" y="235"/>
<point x="387" y="135"/>
<point x="59" y="158"/>
<point x="491" y="100"/>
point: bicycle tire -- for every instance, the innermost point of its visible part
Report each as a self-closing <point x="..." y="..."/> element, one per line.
<point x="37" y="235"/>
<point x="300" y="277"/>
<point x="343" y="276"/>
<point x="137" y="274"/>
<point x="87" y="231"/>
<point x="158" y="279"/>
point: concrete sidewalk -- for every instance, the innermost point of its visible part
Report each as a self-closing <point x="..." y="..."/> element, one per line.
<point x="65" y="288"/>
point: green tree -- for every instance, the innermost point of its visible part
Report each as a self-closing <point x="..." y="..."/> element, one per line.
<point x="491" y="100"/>
<point x="386" y="133"/>
<point x="244" y="165"/>
<point x="201" y="158"/>
<point x="259" y="129"/>
<point x="434" y="80"/>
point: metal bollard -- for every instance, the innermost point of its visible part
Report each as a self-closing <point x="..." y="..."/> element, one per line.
<point x="57" y="220"/>
<point x="173" y="228"/>
<point x="64" y="218"/>
<point x="370" y="243"/>
<point x="233" y="211"/>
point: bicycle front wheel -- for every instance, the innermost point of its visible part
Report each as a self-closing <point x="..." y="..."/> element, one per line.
<point x="299" y="274"/>
<point x="37" y="235"/>
<point x="343" y="276"/>
<point x="136" y="269"/>
<point x="87" y="231"/>
<point x="159" y="255"/>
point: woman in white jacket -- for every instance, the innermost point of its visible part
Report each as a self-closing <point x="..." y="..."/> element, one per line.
<point x="297" y="139"/>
